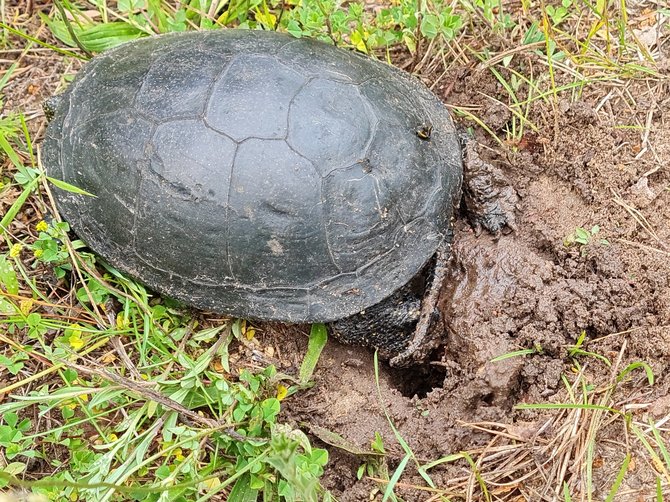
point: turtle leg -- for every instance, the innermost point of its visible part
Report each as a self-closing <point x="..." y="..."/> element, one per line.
<point x="423" y="340"/>
<point x="489" y="198"/>
<point x="402" y="326"/>
<point x="387" y="326"/>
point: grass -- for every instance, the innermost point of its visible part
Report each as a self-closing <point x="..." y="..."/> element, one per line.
<point x="235" y="442"/>
<point x="148" y="403"/>
<point x="115" y="395"/>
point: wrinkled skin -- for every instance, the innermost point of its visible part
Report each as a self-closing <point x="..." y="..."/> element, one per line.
<point x="489" y="199"/>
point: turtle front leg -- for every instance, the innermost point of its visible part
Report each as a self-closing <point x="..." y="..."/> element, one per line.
<point x="489" y="198"/>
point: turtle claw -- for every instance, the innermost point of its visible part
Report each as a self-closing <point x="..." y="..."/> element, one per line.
<point x="477" y="227"/>
<point x="489" y="198"/>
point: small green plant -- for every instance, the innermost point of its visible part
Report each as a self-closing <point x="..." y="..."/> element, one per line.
<point x="12" y="436"/>
<point x="584" y="237"/>
<point x="299" y="464"/>
<point x="405" y="22"/>
<point x="493" y="12"/>
<point x="9" y="283"/>
<point x="15" y="363"/>
<point x="577" y="350"/>
<point x="254" y="453"/>
<point x="375" y="465"/>
<point x="49" y="247"/>
<point x="558" y="14"/>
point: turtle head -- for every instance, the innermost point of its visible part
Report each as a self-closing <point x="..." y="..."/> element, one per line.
<point x="51" y="105"/>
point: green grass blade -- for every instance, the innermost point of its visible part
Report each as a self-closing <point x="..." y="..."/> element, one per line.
<point x="656" y="461"/>
<point x="633" y="366"/>
<point x="69" y="188"/>
<point x="396" y="432"/>
<point x="18" y="204"/>
<point x="318" y="336"/>
<point x="478" y="477"/>
<point x="5" y="78"/>
<point x="444" y="460"/>
<point x="388" y="493"/>
<point x="619" y="479"/>
<point x="660" y="442"/>
<point x="10" y="152"/>
<point x="39" y="42"/>
<point x="242" y="492"/>
<point x="8" y="277"/>
<point x="566" y="493"/>
<point x="588" y="467"/>
<point x="101" y="37"/>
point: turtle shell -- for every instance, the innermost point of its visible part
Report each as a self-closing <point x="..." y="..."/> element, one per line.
<point x="255" y="174"/>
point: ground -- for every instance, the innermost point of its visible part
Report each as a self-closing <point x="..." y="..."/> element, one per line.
<point x="574" y="299"/>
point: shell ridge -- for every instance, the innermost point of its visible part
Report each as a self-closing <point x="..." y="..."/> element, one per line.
<point x="324" y="227"/>
<point x="288" y="113"/>
<point x="210" y="90"/>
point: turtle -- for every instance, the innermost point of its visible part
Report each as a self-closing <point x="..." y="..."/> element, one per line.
<point x="265" y="177"/>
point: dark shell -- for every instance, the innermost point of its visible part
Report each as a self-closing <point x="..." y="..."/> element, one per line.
<point x="255" y="174"/>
